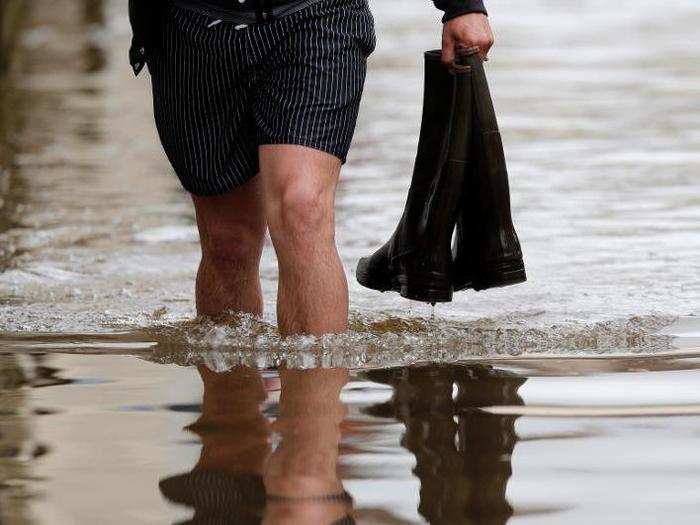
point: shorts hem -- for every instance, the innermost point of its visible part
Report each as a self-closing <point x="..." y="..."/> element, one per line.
<point x="227" y="186"/>
<point x="213" y="190"/>
<point x="341" y="155"/>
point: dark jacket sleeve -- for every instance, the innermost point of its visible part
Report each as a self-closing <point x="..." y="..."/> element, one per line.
<point x="145" y="17"/>
<point x="455" y="8"/>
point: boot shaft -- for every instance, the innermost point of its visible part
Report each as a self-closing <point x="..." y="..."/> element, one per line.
<point x="486" y="235"/>
<point x="438" y="94"/>
<point x="417" y="261"/>
<point x="484" y="112"/>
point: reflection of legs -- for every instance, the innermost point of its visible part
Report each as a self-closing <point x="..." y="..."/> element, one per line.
<point x="226" y="482"/>
<point x="232" y="230"/>
<point x="233" y="430"/>
<point x="305" y="463"/>
<point x="299" y="192"/>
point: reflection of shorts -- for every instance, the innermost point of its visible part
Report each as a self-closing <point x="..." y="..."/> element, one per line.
<point x="221" y="89"/>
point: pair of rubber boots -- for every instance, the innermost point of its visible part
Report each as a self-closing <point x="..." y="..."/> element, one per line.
<point x="459" y="180"/>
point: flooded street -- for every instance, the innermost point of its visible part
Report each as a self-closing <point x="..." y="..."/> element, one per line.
<point x="113" y="439"/>
<point x="570" y="399"/>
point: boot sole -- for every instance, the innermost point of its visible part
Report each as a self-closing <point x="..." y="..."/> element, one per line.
<point x="463" y="285"/>
<point x="364" y="277"/>
<point x="500" y="276"/>
<point x="426" y="290"/>
<point x="431" y="289"/>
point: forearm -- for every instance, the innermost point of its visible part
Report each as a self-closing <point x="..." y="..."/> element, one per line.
<point x="455" y="8"/>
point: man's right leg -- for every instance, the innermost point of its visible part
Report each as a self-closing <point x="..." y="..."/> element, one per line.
<point x="201" y="105"/>
<point x="232" y="232"/>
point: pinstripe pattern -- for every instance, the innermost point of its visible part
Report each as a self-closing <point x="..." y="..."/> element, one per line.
<point x="219" y="92"/>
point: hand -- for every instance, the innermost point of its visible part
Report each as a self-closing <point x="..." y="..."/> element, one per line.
<point x="470" y="30"/>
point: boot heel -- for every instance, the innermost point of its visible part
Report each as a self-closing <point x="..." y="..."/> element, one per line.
<point x="423" y="290"/>
<point x="374" y="280"/>
<point x="500" y="275"/>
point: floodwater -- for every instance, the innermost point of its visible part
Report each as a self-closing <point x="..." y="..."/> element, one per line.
<point x="570" y="399"/>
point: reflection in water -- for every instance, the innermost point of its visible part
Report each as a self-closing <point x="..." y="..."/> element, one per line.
<point x="94" y="234"/>
<point x="19" y="446"/>
<point x="252" y="470"/>
<point x="226" y="482"/>
<point x="463" y="455"/>
<point x="15" y="435"/>
<point x="433" y="447"/>
<point x="239" y="478"/>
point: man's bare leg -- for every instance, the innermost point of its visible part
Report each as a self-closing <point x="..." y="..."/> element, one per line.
<point x="299" y="186"/>
<point x="232" y="233"/>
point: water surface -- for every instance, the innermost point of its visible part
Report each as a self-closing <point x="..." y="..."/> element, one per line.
<point x="114" y="439"/>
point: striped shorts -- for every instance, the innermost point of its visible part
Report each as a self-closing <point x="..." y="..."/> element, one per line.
<point x="222" y="89"/>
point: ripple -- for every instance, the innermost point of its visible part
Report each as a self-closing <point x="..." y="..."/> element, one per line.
<point x="594" y="411"/>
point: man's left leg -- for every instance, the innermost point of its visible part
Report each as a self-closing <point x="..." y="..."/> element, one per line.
<point x="299" y="186"/>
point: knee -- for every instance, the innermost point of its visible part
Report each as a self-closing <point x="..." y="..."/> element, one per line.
<point x="233" y="245"/>
<point x="301" y="212"/>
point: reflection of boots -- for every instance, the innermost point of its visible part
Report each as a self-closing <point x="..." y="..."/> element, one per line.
<point x="487" y="252"/>
<point x="462" y="454"/>
<point x="486" y="441"/>
<point x="417" y="261"/>
<point x="422" y="401"/>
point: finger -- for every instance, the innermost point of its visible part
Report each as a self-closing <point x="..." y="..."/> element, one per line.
<point x="484" y="48"/>
<point x="448" y="52"/>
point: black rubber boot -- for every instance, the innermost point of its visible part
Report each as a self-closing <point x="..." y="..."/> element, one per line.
<point x="487" y="251"/>
<point x="417" y="261"/>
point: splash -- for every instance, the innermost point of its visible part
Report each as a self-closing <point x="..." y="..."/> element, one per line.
<point x="390" y="341"/>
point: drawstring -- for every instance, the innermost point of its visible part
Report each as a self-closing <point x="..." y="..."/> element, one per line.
<point x="262" y="14"/>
